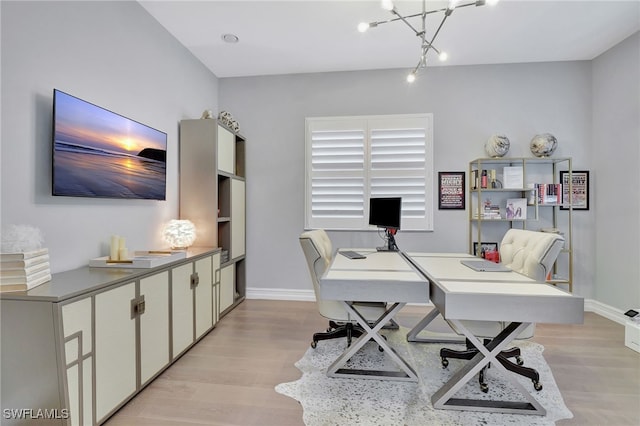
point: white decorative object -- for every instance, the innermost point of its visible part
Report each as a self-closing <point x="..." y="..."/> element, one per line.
<point x="114" y="247"/>
<point x="497" y="146"/>
<point x="21" y="238"/>
<point x="180" y="234"/>
<point x="543" y="145"/>
<point x="207" y="113"/>
<point x="226" y="118"/>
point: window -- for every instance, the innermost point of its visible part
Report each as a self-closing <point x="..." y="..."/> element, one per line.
<point x="350" y="159"/>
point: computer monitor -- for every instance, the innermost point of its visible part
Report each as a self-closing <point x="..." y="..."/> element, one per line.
<point x="386" y="213"/>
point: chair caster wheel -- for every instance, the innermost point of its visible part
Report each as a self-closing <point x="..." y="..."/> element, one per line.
<point x="314" y="344"/>
<point x="445" y="363"/>
<point x="519" y="360"/>
<point x="484" y="387"/>
<point x="537" y="385"/>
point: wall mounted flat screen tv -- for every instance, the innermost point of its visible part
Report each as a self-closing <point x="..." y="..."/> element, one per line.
<point x="98" y="153"/>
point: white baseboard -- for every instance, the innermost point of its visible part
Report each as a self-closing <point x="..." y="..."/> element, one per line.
<point x="281" y="294"/>
<point x="606" y="311"/>
<point x="590" y="305"/>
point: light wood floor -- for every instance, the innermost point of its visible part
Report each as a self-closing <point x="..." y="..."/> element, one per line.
<point x="229" y="376"/>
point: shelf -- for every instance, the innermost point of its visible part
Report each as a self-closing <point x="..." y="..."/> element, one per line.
<point x="539" y="215"/>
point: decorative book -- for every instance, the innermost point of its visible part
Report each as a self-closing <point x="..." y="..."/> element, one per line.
<point x="140" y="259"/>
<point x="25" y="270"/>
<point x="516" y="208"/>
<point x="513" y="177"/>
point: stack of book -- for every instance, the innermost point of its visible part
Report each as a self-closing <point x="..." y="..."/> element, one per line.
<point x="23" y="271"/>
<point x="489" y="211"/>
<point x="549" y="193"/>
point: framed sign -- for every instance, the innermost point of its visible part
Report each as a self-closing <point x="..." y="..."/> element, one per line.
<point x="484" y="247"/>
<point x="451" y="194"/>
<point x="579" y="198"/>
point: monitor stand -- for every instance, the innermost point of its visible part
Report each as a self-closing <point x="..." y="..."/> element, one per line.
<point x="391" y="240"/>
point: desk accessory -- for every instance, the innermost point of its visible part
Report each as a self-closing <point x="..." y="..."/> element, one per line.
<point x="140" y="259"/>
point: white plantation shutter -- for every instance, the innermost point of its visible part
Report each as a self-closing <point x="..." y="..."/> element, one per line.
<point x="350" y="159"/>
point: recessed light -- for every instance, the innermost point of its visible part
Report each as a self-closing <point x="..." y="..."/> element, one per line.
<point x="230" y="38"/>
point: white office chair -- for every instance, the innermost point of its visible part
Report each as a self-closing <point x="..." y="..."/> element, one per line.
<point x="318" y="252"/>
<point x="529" y="253"/>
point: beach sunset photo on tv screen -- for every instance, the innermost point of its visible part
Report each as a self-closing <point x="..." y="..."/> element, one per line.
<point x="98" y="153"/>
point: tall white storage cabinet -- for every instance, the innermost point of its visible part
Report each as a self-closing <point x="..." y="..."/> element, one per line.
<point x="213" y="197"/>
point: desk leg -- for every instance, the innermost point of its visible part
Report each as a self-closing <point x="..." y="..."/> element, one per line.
<point x="443" y="398"/>
<point x="335" y="370"/>
<point x="412" y="335"/>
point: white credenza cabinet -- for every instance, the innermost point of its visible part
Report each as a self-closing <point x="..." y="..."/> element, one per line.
<point x="98" y="335"/>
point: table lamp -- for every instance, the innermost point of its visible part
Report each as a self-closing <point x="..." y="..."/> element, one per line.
<point x="179" y="233"/>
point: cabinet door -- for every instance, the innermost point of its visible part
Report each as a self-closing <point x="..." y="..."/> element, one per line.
<point x="154" y="325"/>
<point x="115" y="348"/>
<point x="204" y="306"/>
<point x="76" y="328"/>
<point x="182" y="308"/>
<point x="226" y="150"/>
<point x="237" y="218"/>
<point x="227" y="287"/>
<point x="215" y="293"/>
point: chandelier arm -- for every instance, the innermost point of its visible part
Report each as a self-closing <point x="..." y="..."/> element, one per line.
<point x="430" y="46"/>
<point x="404" y="19"/>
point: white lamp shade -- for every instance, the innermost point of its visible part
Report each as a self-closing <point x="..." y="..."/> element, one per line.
<point x="180" y="234"/>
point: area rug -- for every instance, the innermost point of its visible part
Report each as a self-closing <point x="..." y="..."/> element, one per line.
<point x="337" y="401"/>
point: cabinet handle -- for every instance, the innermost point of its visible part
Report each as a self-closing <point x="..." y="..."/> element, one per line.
<point x="195" y="280"/>
<point x="137" y="306"/>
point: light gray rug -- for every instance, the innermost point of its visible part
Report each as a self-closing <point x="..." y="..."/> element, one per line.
<point x="336" y="401"/>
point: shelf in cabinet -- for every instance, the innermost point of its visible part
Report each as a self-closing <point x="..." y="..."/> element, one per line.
<point x="224" y="219"/>
<point x="502" y="189"/>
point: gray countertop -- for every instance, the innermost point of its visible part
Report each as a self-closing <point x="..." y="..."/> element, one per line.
<point x="76" y="282"/>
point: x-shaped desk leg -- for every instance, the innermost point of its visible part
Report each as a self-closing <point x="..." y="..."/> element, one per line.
<point x="371" y="332"/>
<point x="443" y="398"/>
<point x="412" y="335"/>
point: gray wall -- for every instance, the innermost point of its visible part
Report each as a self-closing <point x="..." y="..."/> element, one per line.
<point x="616" y="148"/>
<point x="113" y="54"/>
<point x="469" y="103"/>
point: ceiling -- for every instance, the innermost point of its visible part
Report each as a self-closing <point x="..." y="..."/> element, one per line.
<point x="305" y="36"/>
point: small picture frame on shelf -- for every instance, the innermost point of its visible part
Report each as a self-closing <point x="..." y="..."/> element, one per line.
<point x="579" y="199"/>
<point x="484" y="247"/>
<point x="451" y="195"/>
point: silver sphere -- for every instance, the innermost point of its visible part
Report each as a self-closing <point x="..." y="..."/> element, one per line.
<point x="543" y="145"/>
<point x="497" y="146"/>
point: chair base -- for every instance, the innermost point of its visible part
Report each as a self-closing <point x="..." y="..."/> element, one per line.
<point x="348" y="330"/>
<point x="337" y="330"/>
<point x="502" y="357"/>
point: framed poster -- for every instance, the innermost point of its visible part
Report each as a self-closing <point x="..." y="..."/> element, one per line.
<point x="580" y="188"/>
<point x="484" y="247"/>
<point x="451" y="194"/>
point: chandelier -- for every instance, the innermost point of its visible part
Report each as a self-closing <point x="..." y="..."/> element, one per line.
<point x="426" y="42"/>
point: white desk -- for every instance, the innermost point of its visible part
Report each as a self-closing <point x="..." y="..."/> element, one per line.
<point x="460" y="293"/>
<point x="380" y="277"/>
<point x="447" y="266"/>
